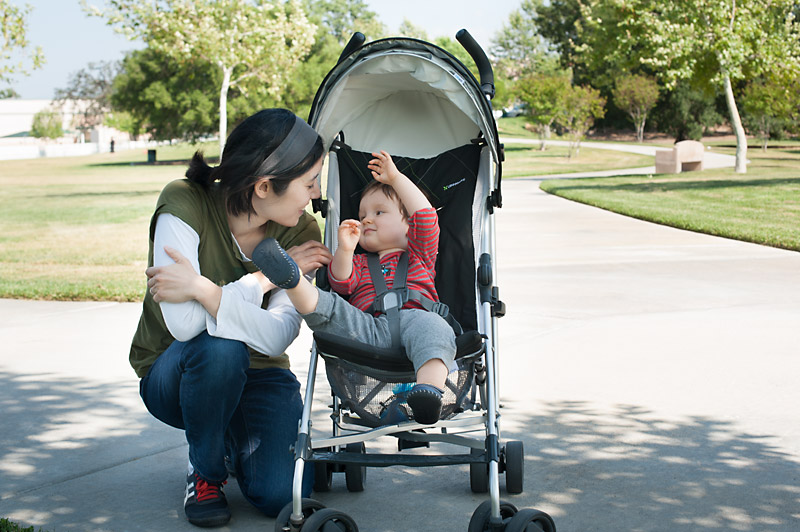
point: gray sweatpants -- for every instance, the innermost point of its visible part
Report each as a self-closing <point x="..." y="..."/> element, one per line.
<point x="424" y="335"/>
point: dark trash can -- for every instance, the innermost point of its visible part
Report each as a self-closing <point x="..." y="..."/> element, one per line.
<point x="151" y="156"/>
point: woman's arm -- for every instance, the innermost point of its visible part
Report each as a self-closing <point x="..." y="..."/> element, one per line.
<point x="185" y="316"/>
<point x="269" y="332"/>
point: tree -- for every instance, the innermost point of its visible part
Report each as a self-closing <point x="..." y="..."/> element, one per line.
<point x="716" y="41"/>
<point x="769" y="103"/>
<point x="582" y="106"/>
<point x="47" y="124"/>
<point x="259" y="41"/>
<point x="339" y="19"/>
<point x="15" y="51"/>
<point x="636" y="95"/>
<point x="89" y="91"/>
<point x="687" y="111"/>
<point x="544" y="97"/>
<point x="518" y="47"/>
<point x="408" y="29"/>
<point x="336" y="21"/>
<point x="165" y="97"/>
<point x="555" y="21"/>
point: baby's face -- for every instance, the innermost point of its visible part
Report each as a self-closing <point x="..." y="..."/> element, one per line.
<point x="383" y="226"/>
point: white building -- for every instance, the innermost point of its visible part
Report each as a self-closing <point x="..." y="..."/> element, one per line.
<point x="16" y="119"/>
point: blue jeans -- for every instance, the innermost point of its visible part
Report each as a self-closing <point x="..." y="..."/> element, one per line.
<point x="205" y="387"/>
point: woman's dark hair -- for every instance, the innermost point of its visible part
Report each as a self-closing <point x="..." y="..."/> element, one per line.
<point x="248" y="145"/>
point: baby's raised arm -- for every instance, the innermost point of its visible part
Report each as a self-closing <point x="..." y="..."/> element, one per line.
<point x="385" y="171"/>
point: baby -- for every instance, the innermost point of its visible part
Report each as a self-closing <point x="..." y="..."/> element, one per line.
<point x="394" y="217"/>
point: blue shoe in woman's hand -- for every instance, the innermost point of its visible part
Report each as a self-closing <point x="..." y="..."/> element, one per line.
<point x="276" y="264"/>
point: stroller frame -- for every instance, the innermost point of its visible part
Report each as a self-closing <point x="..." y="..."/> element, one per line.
<point x="486" y="457"/>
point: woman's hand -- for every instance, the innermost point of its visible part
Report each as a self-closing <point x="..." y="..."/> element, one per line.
<point x="349" y="233"/>
<point x="310" y="256"/>
<point x="174" y="283"/>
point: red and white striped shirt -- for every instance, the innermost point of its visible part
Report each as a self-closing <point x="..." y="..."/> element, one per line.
<point x="423" y="246"/>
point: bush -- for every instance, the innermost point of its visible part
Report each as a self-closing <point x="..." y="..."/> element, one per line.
<point x="47" y="124"/>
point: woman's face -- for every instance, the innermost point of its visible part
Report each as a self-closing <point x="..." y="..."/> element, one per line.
<point x="287" y="208"/>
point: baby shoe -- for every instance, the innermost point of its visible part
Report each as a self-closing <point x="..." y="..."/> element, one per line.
<point x="276" y="264"/>
<point x="425" y="401"/>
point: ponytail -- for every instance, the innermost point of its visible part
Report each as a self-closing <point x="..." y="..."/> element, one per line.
<point x="199" y="172"/>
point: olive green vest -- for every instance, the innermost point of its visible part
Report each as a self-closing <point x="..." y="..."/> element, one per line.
<point x="220" y="261"/>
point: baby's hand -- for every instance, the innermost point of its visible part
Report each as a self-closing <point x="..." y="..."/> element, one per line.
<point x="383" y="168"/>
<point x="349" y="233"/>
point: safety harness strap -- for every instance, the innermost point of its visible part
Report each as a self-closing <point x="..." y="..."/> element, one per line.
<point x="390" y="302"/>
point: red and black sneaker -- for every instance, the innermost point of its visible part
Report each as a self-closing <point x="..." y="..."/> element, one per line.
<point x="205" y="504"/>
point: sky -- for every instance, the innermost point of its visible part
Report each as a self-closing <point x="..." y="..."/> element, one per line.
<point x="71" y="40"/>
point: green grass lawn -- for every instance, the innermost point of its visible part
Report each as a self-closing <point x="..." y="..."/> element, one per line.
<point x="526" y="160"/>
<point x="761" y="206"/>
<point x="76" y="227"/>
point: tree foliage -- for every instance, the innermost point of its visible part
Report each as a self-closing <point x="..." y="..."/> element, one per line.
<point x="89" y="92"/>
<point x="518" y="46"/>
<point x="409" y="29"/>
<point x="167" y="98"/>
<point x="582" y="106"/>
<point x="711" y="40"/>
<point x="47" y="124"/>
<point x="544" y="96"/>
<point x="770" y="103"/>
<point x="339" y="19"/>
<point x="16" y="52"/>
<point x="636" y="95"/>
<point x="687" y="112"/>
<point x="336" y="21"/>
<point x="259" y="41"/>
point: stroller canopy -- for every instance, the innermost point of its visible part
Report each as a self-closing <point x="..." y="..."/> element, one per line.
<point x="404" y="96"/>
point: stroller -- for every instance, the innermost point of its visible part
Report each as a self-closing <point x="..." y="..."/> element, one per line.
<point x="419" y="103"/>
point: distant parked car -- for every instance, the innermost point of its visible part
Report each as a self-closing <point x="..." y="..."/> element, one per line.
<point x="515" y="110"/>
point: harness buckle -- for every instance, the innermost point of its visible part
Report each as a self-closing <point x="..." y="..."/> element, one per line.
<point x="393" y="299"/>
<point x="440" y="308"/>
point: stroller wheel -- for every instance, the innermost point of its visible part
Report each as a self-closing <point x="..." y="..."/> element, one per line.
<point x="323" y="475"/>
<point x="355" y="475"/>
<point x="482" y="514"/>
<point x="515" y="466"/>
<point x="529" y="520"/>
<point x="310" y="506"/>
<point x="329" y="520"/>
<point x="478" y="474"/>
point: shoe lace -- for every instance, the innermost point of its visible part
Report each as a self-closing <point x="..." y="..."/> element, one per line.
<point x="207" y="490"/>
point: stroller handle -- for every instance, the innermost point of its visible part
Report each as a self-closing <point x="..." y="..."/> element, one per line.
<point x="481" y="61"/>
<point x="353" y="44"/>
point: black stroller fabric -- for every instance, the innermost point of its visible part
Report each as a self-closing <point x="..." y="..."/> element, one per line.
<point x="449" y="181"/>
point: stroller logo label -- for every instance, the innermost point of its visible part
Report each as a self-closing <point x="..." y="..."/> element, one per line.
<point x="451" y="185"/>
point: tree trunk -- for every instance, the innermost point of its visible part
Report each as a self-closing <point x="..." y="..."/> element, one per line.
<point x="223" y="108"/>
<point x="736" y="122"/>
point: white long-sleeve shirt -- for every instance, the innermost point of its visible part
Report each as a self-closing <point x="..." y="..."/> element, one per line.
<point x="240" y="316"/>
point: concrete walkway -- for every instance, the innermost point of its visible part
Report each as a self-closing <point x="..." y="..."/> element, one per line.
<point x="651" y="373"/>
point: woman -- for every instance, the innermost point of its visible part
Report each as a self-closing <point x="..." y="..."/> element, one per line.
<point x="210" y="343"/>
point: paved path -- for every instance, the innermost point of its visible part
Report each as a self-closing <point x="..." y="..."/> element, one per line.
<point x="650" y="372"/>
